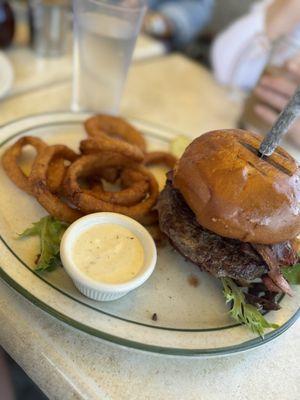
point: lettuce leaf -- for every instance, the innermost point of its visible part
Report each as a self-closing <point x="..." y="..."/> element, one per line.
<point x="243" y="312"/>
<point x="50" y="231"/>
<point x="292" y="274"/>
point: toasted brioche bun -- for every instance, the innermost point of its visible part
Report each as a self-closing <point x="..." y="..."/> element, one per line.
<point x="236" y="194"/>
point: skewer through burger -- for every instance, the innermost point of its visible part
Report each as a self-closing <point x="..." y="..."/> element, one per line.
<point x="233" y="213"/>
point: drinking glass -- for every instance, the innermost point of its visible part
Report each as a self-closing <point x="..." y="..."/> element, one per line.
<point x="105" y="32"/>
<point x="49" y="23"/>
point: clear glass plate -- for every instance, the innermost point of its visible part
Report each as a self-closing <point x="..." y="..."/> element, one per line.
<point x="192" y="317"/>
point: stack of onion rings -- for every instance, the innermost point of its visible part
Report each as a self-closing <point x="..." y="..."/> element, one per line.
<point x="89" y="203"/>
<point x="69" y="185"/>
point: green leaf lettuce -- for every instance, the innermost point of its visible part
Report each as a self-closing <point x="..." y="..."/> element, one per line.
<point x="50" y="231"/>
<point x="243" y="312"/>
<point x="292" y="274"/>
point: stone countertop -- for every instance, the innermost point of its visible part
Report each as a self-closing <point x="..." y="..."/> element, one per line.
<point x="67" y="364"/>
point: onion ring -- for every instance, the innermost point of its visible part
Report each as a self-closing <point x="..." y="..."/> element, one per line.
<point x="103" y="143"/>
<point x="55" y="175"/>
<point x="116" y="127"/>
<point x="110" y="174"/>
<point x="160" y="157"/>
<point x="38" y="178"/>
<point x="135" y="188"/>
<point x="89" y="203"/>
<point x="10" y="161"/>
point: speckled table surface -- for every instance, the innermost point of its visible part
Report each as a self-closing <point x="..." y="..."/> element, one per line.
<point x="67" y="364"/>
<point x="174" y="92"/>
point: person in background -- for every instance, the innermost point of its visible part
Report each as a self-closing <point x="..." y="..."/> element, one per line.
<point x="240" y="54"/>
<point x="274" y="92"/>
<point x="177" y="21"/>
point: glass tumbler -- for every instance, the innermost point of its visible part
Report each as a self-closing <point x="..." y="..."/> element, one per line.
<point x="49" y="23"/>
<point x="105" y="32"/>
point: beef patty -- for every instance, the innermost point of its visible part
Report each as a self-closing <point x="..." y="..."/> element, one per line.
<point x="222" y="257"/>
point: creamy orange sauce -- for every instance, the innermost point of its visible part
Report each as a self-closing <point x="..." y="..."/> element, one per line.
<point x="108" y="253"/>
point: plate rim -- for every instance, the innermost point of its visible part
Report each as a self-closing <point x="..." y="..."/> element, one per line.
<point x="172" y="351"/>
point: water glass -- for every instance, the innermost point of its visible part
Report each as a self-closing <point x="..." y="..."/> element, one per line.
<point x="49" y="23"/>
<point x="105" y="32"/>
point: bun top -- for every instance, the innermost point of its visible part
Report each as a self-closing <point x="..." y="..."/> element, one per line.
<point x="236" y="194"/>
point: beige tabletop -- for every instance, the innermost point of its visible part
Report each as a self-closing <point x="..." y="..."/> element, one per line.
<point x="173" y="92"/>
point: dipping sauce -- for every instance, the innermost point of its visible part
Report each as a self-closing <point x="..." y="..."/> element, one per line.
<point x="108" y="253"/>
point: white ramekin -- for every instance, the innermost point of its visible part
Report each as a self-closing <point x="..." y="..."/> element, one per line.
<point x="95" y="289"/>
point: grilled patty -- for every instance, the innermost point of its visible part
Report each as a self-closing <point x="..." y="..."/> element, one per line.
<point x="217" y="255"/>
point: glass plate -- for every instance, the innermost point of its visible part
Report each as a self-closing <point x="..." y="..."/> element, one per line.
<point x="192" y="317"/>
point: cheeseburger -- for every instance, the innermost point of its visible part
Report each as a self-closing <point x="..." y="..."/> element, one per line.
<point x="231" y="212"/>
